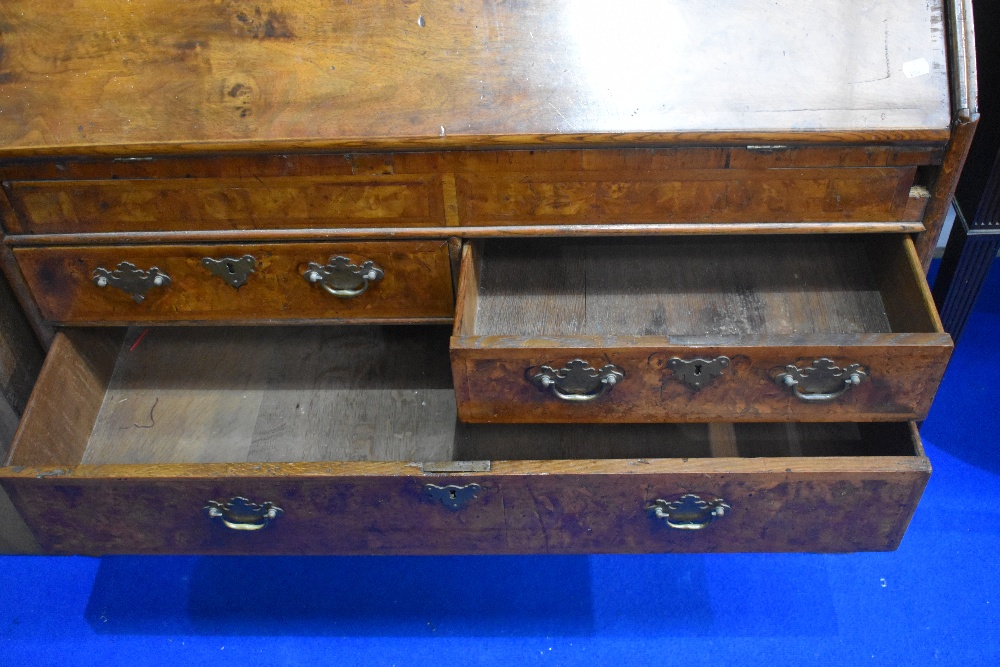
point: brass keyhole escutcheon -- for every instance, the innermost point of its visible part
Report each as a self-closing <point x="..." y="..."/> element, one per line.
<point x="452" y="496"/>
<point x="697" y="374"/>
<point x="234" y="272"/>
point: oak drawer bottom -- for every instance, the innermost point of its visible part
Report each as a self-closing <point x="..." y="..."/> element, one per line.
<point x="345" y="441"/>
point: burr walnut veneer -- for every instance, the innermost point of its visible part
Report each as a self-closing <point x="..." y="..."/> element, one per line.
<point x="477" y="277"/>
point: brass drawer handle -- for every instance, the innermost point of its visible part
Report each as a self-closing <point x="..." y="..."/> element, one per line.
<point x="240" y="513"/>
<point x="689" y="512"/>
<point x="342" y="278"/>
<point x="823" y="381"/>
<point x="131" y="279"/>
<point x="578" y="380"/>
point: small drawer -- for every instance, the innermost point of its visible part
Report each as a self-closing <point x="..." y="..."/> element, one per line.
<point x="721" y="195"/>
<point x="182" y="204"/>
<point x="365" y="281"/>
<point x="344" y="440"/>
<point x="764" y="328"/>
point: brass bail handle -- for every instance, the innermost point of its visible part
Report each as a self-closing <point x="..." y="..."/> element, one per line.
<point x="130" y="279"/>
<point x="240" y="513"/>
<point x="342" y="278"/>
<point x="822" y="381"/>
<point x="577" y="381"/>
<point x="689" y="512"/>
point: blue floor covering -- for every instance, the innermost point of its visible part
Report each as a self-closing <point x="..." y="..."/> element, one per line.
<point x="935" y="601"/>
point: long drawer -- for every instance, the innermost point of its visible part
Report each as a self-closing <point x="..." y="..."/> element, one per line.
<point x="739" y="184"/>
<point x="345" y="441"/>
<point x="363" y="281"/>
<point x="819" y="328"/>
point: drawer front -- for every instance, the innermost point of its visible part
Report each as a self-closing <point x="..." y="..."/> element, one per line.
<point x="758" y="185"/>
<point x="655" y="505"/>
<point x="688" y="196"/>
<point x="295" y="281"/>
<point x="896" y="381"/>
<point x="828" y="328"/>
<point x="51" y="207"/>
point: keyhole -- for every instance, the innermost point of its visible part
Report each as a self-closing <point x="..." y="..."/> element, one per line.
<point x="697" y="369"/>
<point x="453" y="493"/>
<point x="229" y="265"/>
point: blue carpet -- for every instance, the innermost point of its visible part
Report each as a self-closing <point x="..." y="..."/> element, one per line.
<point x="934" y="601"/>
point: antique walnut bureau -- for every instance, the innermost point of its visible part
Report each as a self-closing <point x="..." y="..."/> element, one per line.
<point x="477" y="276"/>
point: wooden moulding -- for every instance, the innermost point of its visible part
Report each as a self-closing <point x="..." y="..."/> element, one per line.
<point x="548" y="489"/>
<point x="420" y="233"/>
<point x="639" y="316"/>
<point x="965" y="118"/>
<point x="944" y="188"/>
<point x="416" y="284"/>
<point x="374" y="167"/>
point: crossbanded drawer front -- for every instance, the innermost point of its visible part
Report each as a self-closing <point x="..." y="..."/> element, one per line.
<point x="820" y="328"/>
<point x="694" y="185"/>
<point x="240" y="283"/>
<point x="343" y="440"/>
<point x="689" y="196"/>
<point x="176" y="204"/>
<point x="889" y="378"/>
<point x="548" y="507"/>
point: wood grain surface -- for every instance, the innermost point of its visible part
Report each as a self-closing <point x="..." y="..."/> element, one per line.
<point x="763" y="302"/>
<point x="722" y="286"/>
<point x="171" y="432"/>
<point x="725" y="195"/>
<point x="822" y="505"/>
<point x="493" y="383"/>
<point x="945" y="183"/>
<point x="409" y="191"/>
<point x="209" y="203"/>
<point x="416" y="285"/>
<point x="157" y="76"/>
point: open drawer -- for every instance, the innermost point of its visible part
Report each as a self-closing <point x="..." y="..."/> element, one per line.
<point x="344" y="440"/>
<point x="685" y="329"/>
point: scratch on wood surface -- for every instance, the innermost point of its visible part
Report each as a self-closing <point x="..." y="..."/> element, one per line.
<point x="556" y="109"/>
<point x="538" y="515"/>
<point x="152" y="420"/>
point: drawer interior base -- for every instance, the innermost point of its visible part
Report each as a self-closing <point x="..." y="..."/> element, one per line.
<point x="723" y="286"/>
<point x="207" y="395"/>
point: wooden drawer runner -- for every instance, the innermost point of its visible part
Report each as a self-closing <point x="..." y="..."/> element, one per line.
<point x="415" y="283"/>
<point x="131" y="445"/>
<point x="830" y="328"/>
